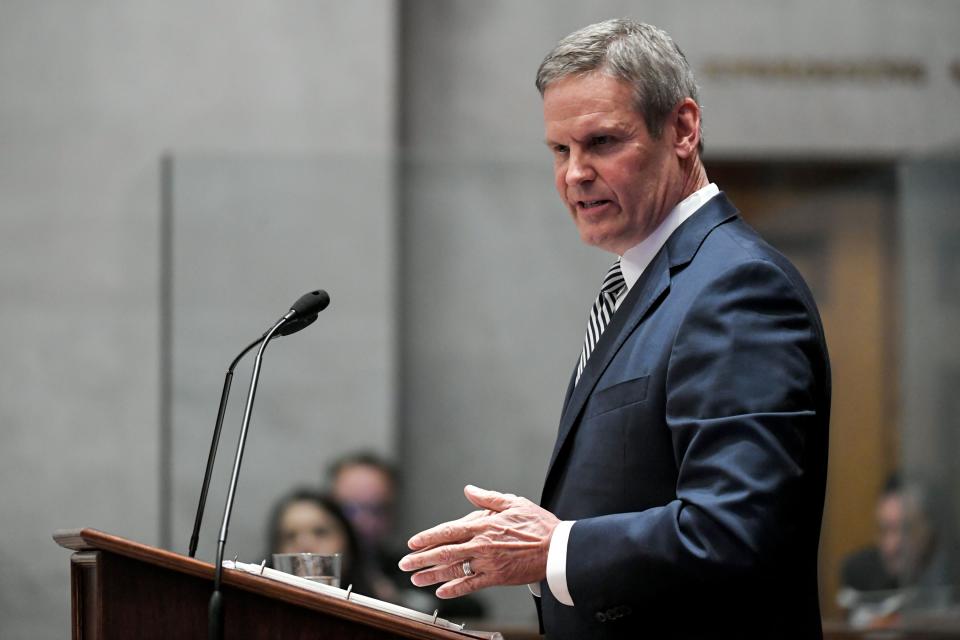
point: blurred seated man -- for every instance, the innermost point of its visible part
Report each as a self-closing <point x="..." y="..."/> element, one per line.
<point x="306" y="521"/>
<point x="906" y="569"/>
<point x="366" y="486"/>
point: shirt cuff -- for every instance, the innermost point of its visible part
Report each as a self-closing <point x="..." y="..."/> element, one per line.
<point x="557" y="563"/>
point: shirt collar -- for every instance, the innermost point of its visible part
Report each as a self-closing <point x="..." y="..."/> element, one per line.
<point x="635" y="259"/>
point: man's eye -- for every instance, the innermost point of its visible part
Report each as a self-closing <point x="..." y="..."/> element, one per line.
<point x="600" y="140"/>
<point x="560" y="149"/>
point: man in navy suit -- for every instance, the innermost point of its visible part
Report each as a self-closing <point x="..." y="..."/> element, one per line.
<point x="685" y="491"/>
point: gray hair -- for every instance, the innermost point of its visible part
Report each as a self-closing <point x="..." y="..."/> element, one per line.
<point x="639" y="54"/>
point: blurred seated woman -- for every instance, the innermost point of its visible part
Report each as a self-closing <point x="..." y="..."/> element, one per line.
<point x="306" y="521"/>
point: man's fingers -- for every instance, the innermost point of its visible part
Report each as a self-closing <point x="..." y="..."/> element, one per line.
<point x="438" y="574"/>
<point x="486" y="499"/>
<point x="456" y="583"/>
<point x="444" y="555"/>
<point x="490" y="503"/>
<point x="463" y="586"/>
<point x="446" y="533"/>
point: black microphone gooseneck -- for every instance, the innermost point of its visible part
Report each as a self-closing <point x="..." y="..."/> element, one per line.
<point x="195" y="537"/>
<point x="303" y="312"/>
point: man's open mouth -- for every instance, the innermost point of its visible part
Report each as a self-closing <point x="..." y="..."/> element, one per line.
<point x="590" y="204"/>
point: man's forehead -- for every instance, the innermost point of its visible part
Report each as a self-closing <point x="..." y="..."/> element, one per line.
<point x="590" y="99"/>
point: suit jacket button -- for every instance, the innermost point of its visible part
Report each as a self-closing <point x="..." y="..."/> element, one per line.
<point x="600" y="616"/>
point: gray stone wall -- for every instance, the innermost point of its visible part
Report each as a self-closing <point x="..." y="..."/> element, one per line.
<point x="250" y="234"/>
<point x="91" y="96"/>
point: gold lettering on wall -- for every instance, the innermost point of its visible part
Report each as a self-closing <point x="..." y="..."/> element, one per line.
<point x="869" y="70"/>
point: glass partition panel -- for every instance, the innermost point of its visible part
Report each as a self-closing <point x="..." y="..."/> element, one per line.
<point x="930" y="423"/>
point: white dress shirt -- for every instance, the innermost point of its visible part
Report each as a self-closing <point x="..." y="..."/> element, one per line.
<point x="632" y="263"/>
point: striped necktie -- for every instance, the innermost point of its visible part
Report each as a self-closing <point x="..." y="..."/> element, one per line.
<point x="601" y="312"/>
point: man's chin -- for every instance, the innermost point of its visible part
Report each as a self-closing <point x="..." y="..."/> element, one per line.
<point x="598" y="239"/>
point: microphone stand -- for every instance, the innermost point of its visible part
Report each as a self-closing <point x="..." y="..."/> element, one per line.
<point x="214" y="444"/>
<point x="215" y="611"/>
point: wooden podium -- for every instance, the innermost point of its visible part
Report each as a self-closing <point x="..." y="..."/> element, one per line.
<point x="123" y="589"/>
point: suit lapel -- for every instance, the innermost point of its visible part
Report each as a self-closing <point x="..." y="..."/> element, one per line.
<point x="570" y="388"/>
<point x="647" y="290"/>
<point x="653" y="284"/>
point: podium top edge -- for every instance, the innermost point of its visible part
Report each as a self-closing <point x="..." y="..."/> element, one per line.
<point x="73" y="539"/>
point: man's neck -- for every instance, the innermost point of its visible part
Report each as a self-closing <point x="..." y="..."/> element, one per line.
<point x="694" y="179"/>
<point x="635" y="260"/>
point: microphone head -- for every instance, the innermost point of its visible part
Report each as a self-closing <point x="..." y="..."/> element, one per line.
<point x="304" y="311"/>
<point x="310" y="304"/>
<point x="294" y="324"/>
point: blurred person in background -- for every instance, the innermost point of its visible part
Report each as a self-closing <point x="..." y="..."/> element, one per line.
<point x="365" y="486"/>
<point x="307" y="521"/>
<point x="908" y="567"/>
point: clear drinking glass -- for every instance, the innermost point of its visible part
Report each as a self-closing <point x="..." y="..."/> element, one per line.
<point x="318" y="567"/>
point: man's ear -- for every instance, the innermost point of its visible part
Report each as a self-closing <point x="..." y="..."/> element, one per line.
<point x="686" y="128"/>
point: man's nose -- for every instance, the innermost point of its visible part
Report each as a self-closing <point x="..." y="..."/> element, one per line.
<point x="579" y="170"/>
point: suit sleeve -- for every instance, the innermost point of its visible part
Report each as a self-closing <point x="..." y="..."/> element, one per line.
<point x="742" y="398"/>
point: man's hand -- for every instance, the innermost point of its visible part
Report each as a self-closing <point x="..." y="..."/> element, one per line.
<point x="506" y="543"/>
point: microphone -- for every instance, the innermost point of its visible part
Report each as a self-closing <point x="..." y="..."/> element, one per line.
<point x="311" y="303"/>
<point x="305" y="309"/>
<point x="302" y="313"/>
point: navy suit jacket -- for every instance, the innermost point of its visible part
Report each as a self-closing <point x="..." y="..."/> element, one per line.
<point x="693" y="451"/>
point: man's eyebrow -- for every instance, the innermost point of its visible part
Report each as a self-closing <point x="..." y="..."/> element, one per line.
<point x="615" y="128"/>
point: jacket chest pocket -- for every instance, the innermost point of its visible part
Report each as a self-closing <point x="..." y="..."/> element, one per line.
<point x="617" y="396"/>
